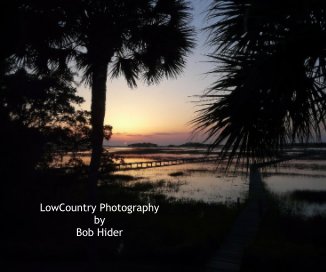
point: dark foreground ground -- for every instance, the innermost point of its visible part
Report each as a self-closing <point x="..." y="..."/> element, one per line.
<point x="286" y="242"/>
<point x="181" y="237"/>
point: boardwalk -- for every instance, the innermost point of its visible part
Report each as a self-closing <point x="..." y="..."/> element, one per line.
<point x="161" y="163"/>
<point x="229" y="256"/>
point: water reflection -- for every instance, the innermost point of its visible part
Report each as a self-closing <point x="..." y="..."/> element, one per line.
<point x="287" y="183"/>
<point x="289" y="180"/>
<point x="198" y="181"/>
<point x="203" y="182"/>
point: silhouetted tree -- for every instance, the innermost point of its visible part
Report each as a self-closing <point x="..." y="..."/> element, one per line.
<point x="39" y="118"/>
<point x="38" y="93"/>
<point x="270" y="63"/>
<point x="139" y="39"/>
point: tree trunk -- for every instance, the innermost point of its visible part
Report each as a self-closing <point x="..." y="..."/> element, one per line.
<point x="99" y="78"/>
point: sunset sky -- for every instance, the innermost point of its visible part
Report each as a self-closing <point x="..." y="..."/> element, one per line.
<point x="159" y="113"/>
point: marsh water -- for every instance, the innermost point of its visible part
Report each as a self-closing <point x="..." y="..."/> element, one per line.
<point x="209" y="183"/>
<point x="305" y="178"/>
<point x="300" y="184"/>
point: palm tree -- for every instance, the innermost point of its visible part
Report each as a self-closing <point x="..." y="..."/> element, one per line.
<point x="139" y="39"/>
<point x="271" y="66"/>
<point x="37" y="93"/>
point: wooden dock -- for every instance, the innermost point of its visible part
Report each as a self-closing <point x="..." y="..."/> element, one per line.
<point x="229" y="256"/>
<point x="161" y="163"/>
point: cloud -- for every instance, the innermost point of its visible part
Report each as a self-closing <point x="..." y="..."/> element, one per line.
<point x="169" y="133"/>
<point x="136" y="135"/>
<point x="160" y="138"/>
<point x="124" y="134"/>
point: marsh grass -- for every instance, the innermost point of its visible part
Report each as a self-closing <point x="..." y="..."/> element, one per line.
<point x="287" y="241"/>
<point x="183" y="233"/>
<point x="310" y="196"/>
<point x="177" y="174"/>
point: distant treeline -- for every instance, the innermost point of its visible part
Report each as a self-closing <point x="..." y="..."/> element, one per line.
<point x="307" y="145"/>
<point x="201" y="145"/>
<point x="143" y="145"/>
<point x="188" y="144"/>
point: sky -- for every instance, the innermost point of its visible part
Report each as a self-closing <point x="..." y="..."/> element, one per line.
<point x="160" y="113"/>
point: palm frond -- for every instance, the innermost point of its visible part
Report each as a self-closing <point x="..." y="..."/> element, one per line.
<point x="162" y="45"/>
<point x="128" y="67"/>
<point x="270" y="61"/>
